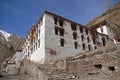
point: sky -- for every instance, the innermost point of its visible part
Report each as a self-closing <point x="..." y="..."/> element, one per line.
<point x="17" y="16"/>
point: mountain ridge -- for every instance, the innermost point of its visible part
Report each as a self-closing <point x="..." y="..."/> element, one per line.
<point x="9" y="43"/>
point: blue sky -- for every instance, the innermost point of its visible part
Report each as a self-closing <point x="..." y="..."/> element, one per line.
<point x="17" y="16"/>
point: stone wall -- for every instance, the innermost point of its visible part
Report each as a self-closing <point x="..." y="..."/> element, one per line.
<point x="99" y="64"/>
<point x="104" y="61"/>
<point x="32" y="69"/>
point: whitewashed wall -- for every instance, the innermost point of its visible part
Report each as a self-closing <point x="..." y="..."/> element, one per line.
<point x="10" y="66"/>
<point x="18" y="57"/>
<point x="106" y="31"/>
<point x="52" y="41"/>
<point x="39" y="55"/>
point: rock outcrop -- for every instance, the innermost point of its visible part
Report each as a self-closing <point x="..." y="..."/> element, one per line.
<point x="9" y="43"/>
<point x="100" y="64"/>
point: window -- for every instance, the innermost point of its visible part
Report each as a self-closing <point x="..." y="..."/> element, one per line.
<point x="26" y="50"/>
<point x="31" y="50"/>
<point x="118" y="40"/>
<point x="55" y="20"/>
<point x="95" y="47"/>
<point x="107" y="37"/>
<point x="89" y="47"/>
<point x="103" y="41"/>
<point x="56" y="30"/>
<point x="62" y="42"/>
<point x="76" y="44"/>
<point x="36" y="36"/>
<point x="28" y="54"/>
<point x="88" y="39"/>
<point x="38" y="33"/>
<point x="94" y="41"/>
<point x="81" y="29"/>
<point x="83" y="45"/>
<point x="28" y="47"/>
<point x="38" y="43"/>
<point x="82" y="37"/>
<point x="34" y="48"/>
<point x="73" y="27"/>
<point x="74" y="35"/>
<point x="34" y="40"/>
<point x="101" y="29"/>
<point x="61" y="32"/>
<point x="86" y="30"/>
<point x="61" y="22"/>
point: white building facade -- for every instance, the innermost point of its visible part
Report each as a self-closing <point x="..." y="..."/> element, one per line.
<point x="55" y="38"/>
<point x="104" y="29"/>
<point x="101" y="33"/>
<point x="14" y="60"/>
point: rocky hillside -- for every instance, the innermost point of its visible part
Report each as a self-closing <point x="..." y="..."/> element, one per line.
<point x="100" y="64"/>
<point x="9" y="43"/>
<point x="111" y="16"/>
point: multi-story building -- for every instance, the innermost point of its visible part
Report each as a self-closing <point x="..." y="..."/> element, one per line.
<point x="54" y="38"/>
<point x="101" y="33"/>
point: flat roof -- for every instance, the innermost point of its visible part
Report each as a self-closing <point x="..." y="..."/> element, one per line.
<point x="62" y="18"/>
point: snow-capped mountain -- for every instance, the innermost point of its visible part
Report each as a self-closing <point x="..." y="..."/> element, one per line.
<point x="5" y="35"/>
<point x="9" y="43"/>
